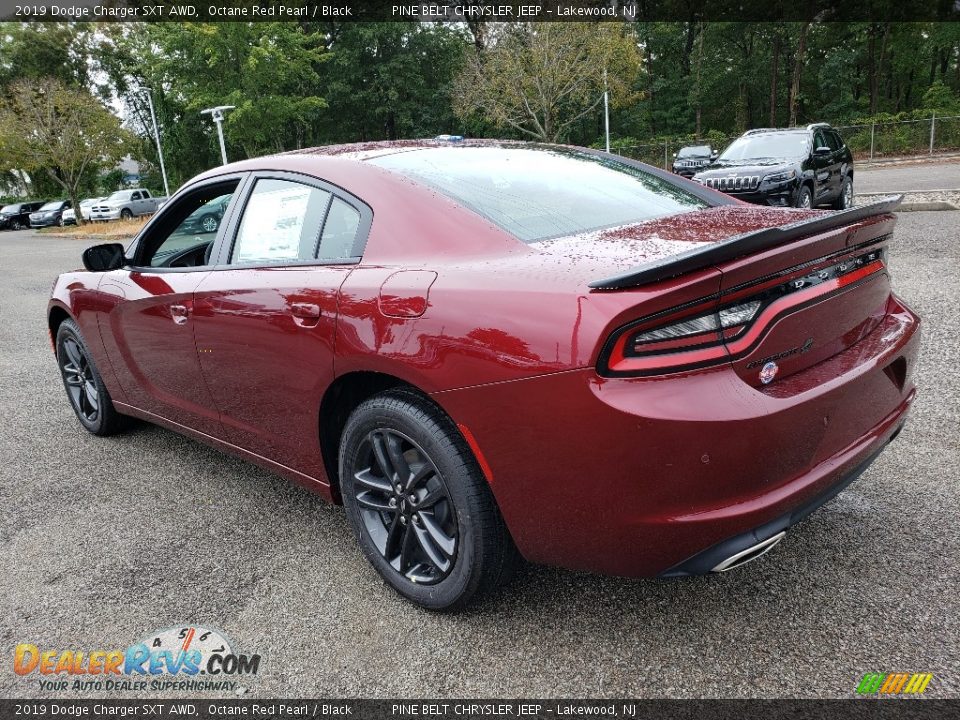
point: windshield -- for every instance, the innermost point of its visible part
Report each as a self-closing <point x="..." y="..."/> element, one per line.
<point x="694" y="151"/>
<point x="539" y="193"/>
<point x="120" y="195"/>
<point x="770" y="145"/>
<point x="55" y="205"/>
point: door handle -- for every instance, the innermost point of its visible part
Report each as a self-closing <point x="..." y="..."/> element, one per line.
<point x="305" y="314"/>
<point x="179" y="313"/>
<point x="305" y="311"/>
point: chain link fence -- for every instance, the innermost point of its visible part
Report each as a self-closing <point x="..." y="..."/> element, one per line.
<point x="870" y="141"/>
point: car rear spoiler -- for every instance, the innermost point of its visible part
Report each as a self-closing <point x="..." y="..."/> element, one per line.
<point x="743" y="244"/>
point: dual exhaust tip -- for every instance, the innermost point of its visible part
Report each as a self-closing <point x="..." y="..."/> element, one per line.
<point x="750" y="553"/>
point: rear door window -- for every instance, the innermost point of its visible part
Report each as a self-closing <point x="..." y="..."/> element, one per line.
<point x="339" y="238"/>
<point x="281" y="223"/>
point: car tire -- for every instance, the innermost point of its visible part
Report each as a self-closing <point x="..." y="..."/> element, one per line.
<point x="209" y="223"/>
<point x="804" y="198"/>
<point x="88" y="395"/>
<point x="845" y="200"/>
<point x="16" y="225"/>
<point x="60" y="221"/>
<point x="125" y="214"/>
<point x="439" y="555"/>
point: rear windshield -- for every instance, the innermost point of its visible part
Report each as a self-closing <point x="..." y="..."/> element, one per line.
<point x="539" y="193"/>
<point x="771" y="145"/>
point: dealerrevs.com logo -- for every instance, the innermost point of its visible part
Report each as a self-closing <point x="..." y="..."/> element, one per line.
<point x="180" y="658"/>
<point x="894" y="683"/>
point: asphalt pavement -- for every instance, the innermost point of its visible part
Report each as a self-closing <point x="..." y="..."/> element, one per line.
<point x="908" y="176"/>
<point x="106" y="540"/>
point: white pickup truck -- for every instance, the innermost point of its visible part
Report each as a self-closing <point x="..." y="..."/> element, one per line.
<point x="125" y="204"/>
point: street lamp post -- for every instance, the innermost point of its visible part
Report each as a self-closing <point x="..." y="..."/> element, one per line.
<point x="156" y="137"/>
<point x="216" y="113"/>
<point x="606" y="108"/>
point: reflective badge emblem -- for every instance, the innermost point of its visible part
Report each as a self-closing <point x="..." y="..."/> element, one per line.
<point x="768" y="372"/>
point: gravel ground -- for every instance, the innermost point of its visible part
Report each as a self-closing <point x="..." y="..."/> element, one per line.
<point x="106" y="540"/>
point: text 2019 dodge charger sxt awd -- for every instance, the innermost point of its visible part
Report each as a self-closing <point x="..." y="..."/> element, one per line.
<point x="486" y="348"/>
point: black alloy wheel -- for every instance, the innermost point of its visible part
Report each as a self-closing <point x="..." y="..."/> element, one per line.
<point x="88" y="395"/>
<point x="405" y="507"/>
<point x="78" y="379"/>
<point x="419" y="504"/>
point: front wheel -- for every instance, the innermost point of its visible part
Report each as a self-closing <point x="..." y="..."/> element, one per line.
<point x="419" y="504"/>
<point x="804" y="198"/>
<point x="209" y="223"/>
<point x="16" y="225"/>
<point x="125" y="214"/>
<point x="88" y="395"/>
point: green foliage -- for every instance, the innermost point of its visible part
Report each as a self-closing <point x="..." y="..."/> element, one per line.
<point x="314" y="83"/>
<point x="940" y="97"/>
<point x="46" y="127"/>
<point x="539" y="79"/>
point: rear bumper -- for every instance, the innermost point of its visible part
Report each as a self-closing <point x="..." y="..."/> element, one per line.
<point x="740" y="549"/>
<point x="641" y="476"/>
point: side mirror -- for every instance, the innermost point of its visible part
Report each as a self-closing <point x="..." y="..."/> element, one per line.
<point x="822" y="150"/>
<point x="103" y="258"/>
<point x="674" y="154"/>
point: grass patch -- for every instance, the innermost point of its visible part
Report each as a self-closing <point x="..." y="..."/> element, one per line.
<point x="114" y="230"/>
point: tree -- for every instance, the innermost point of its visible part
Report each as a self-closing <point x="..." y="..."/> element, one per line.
<point x="541" y="78"/>
<point x="392" y="80"/>
<point x="64" y="132"/>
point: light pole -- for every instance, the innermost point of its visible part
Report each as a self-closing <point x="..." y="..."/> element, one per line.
<point x="217" y="114"/>
<point x="156" y="137"/>
<point x="606" y="108"/>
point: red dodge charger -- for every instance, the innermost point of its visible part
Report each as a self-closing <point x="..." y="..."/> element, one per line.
<point x="488" y="350"/>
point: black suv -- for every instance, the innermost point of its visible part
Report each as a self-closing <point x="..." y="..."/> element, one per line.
<point x="692" y="159"/>
<point x="17" y="215"/>
<point x="801" y="167"/>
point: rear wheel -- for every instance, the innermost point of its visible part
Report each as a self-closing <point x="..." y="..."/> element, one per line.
<point x="88" y="395"/>
<point x="845" y="199"/>
<point x="419" y="504"/>
<point x="804" y="198"/>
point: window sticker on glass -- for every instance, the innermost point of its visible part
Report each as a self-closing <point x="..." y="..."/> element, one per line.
<point x="279" y="222"/>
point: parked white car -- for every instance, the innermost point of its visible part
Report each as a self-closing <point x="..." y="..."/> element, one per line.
<point x="70" y="215"/>
<point x="125" y="204"/>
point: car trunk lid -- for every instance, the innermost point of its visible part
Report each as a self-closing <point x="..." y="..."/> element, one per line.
<point x="793" y="290"/>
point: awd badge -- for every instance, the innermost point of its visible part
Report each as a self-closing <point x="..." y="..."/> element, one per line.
<point x="768" y="372"/>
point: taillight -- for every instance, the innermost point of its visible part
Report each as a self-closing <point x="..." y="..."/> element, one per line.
<point x="711" y="332"/>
